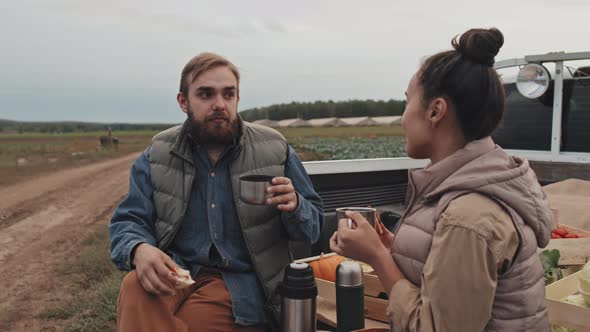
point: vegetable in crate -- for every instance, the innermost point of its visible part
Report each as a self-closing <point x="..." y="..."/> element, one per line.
<point x="585" y="278"/>
<point x="550" y="262"/>
<point x="576" y="299"/>
<point x="584" y="286"/>
<point x="562" y="233"/>
<point x="325" y="268"/>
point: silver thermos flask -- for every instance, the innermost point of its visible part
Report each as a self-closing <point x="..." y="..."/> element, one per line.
<point x="298" y="292"/>
<point x="350" y="297"/>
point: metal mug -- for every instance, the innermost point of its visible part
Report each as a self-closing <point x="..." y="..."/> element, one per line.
<point x="367" y="212"/>
<point x="253" y="188"/>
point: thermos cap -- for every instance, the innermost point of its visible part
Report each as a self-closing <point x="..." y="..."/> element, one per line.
<point x="298" y="266"/>
<point x="298" y="282"/>
<point x="349" y="274"/>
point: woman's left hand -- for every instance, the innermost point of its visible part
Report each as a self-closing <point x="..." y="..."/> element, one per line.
<point x="359" y="243"/>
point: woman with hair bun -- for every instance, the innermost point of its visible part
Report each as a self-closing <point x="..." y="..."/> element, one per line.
<point x="464" y="256"/>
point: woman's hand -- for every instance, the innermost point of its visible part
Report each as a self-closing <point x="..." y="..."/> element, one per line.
<point x="359" y="243"/>
<point x="384" y="234"/>
<point x="364" y="244"/>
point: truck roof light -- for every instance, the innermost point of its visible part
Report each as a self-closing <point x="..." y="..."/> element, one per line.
<point x="533" y="80"/>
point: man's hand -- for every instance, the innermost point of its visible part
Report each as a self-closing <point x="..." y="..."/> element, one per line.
<point x="153" y="270"/>
<point x="284" y="194"/>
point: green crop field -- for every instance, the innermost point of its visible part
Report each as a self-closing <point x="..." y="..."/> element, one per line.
<point x="336" y="148"/>
<point x="294" y="133"/>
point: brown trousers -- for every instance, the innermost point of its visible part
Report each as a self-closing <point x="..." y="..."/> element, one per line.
<point x="204" y="306"/>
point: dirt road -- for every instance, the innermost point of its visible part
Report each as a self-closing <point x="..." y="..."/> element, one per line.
<point x="42" y="222"/>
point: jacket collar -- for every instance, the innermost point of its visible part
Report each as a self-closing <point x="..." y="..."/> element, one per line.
<point x="429" y="178"/>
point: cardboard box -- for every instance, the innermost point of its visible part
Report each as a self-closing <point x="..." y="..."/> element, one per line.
<point x="566" y="314"/>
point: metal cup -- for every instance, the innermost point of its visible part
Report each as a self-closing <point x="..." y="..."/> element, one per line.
<point x="367" y="212"/>
<point x="253" y="188"/>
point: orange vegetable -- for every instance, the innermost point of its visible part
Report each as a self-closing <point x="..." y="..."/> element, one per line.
<point x="325" y="268"/>
<point x="560" y="231"/>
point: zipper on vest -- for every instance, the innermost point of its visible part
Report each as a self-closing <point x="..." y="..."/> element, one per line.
<point x="177" y="223"/>
<point x="267" y="305"/>
<point x="268" y="296"/>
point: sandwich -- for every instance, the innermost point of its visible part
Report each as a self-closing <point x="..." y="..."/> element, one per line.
<point x="183" y="278"/>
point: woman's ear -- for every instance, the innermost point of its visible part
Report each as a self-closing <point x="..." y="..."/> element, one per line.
<point x="437" y="111"/>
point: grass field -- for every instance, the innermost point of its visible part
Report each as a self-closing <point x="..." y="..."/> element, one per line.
<point x="91" y="134"/>
<point x="24" y="156"/>
<point x="94" y="296"/>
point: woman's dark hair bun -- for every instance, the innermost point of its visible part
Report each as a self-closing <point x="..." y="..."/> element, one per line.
<point x="479" y="45"/>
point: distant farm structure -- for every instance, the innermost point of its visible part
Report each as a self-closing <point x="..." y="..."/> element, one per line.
<point x="109" y="141"/>
<point x="333" y="122"/>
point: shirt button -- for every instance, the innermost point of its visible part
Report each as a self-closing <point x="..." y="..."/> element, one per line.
<point x="213" y="205"/>
<point x="213" y="174"/>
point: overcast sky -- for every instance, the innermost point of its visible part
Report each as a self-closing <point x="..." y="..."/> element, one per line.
<point x="120" y="60"/>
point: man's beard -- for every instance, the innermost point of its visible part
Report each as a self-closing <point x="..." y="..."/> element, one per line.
<point x="210" y="133"/>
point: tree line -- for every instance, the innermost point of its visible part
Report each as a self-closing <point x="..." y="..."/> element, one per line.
<point x="304" y="110"/>
<point x="326" y="109"/>
<point x="7" y="126"/>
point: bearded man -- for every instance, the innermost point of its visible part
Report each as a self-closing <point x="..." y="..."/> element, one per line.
<point x="183" y="210"/>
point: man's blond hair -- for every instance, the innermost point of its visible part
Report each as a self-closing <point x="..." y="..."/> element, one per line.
<point x="201" y="63"/>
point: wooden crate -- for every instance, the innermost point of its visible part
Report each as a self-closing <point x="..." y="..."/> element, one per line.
<point x="375" y="308"/>
<point x="566" y="314"/>
<point x="572" y="251"/>
<point x="375" y="297"/>
<point x="373" y="286"/>
<point x="577" y="231"/>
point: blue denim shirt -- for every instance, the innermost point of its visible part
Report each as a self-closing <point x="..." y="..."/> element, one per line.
<point x="211" y="221"/>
